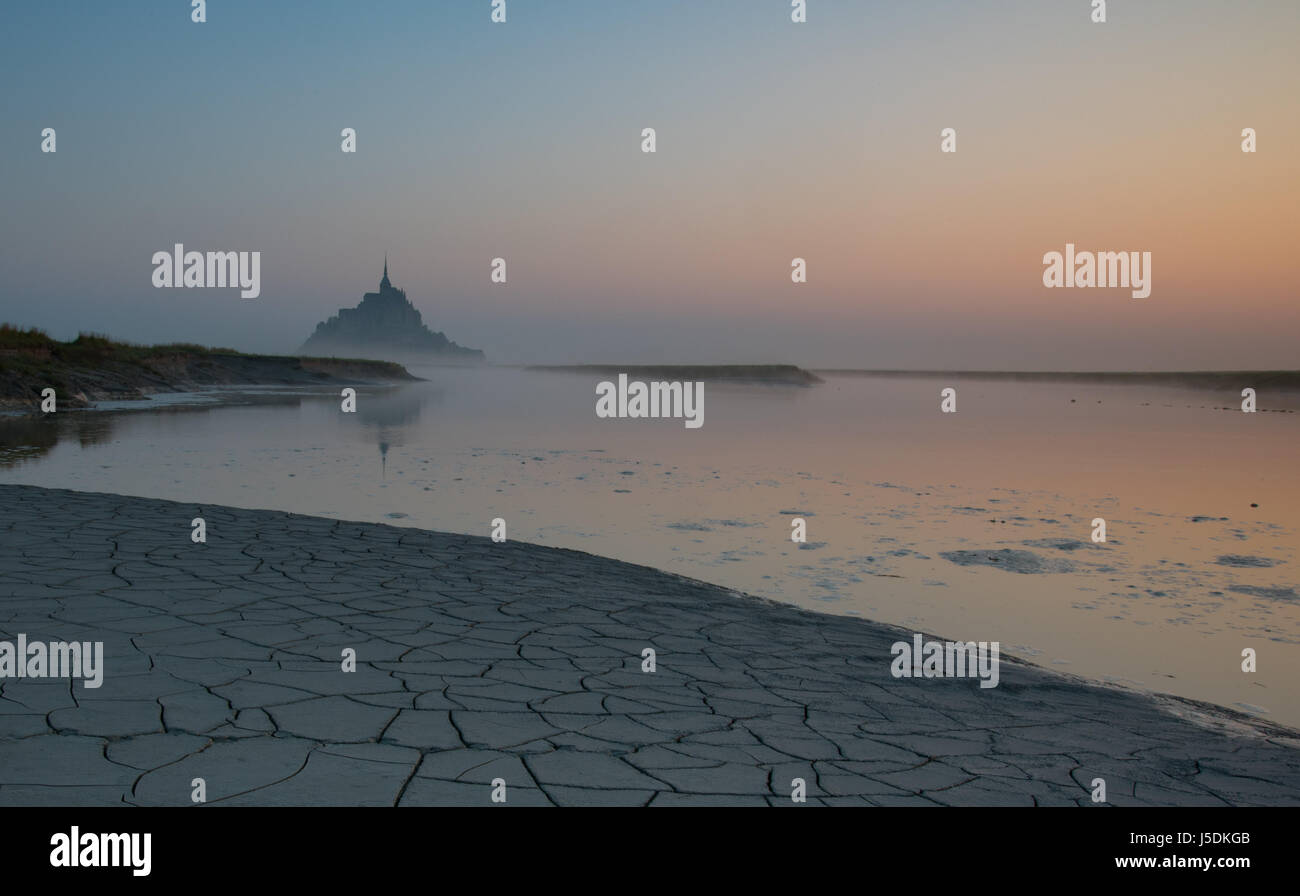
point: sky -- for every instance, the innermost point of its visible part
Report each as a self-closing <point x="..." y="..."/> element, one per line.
<point x="775" y="140"/>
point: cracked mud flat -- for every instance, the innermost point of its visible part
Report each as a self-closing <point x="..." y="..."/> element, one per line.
<point x="478" y="661"/>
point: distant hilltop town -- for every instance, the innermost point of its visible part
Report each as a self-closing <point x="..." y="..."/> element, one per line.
<point x="386" y="326"/>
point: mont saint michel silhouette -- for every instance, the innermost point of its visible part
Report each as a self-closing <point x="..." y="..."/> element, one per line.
<point x="385" y="326"/>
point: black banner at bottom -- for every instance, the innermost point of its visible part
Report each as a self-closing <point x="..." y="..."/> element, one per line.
<point x="340" y="847"/>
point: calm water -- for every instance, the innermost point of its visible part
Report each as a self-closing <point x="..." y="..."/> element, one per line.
<point x="893" y="493"/>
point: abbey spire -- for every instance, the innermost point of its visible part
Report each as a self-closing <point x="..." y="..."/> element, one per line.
<point x="385" y="284"/>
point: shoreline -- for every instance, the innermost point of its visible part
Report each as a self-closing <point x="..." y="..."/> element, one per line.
<point x="478" y="660"/>
<point x="1214" y="380"/>
<point x="168" y="378"/>
<point x="91" y="369"/>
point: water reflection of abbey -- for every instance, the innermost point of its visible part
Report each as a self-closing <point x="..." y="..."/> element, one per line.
<point x="392" y="413"/>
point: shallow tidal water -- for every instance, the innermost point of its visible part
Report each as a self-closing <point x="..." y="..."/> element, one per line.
<point x="974" y="526"/>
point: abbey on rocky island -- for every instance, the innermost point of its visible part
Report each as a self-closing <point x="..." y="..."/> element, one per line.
<point x="385" y="326"/>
